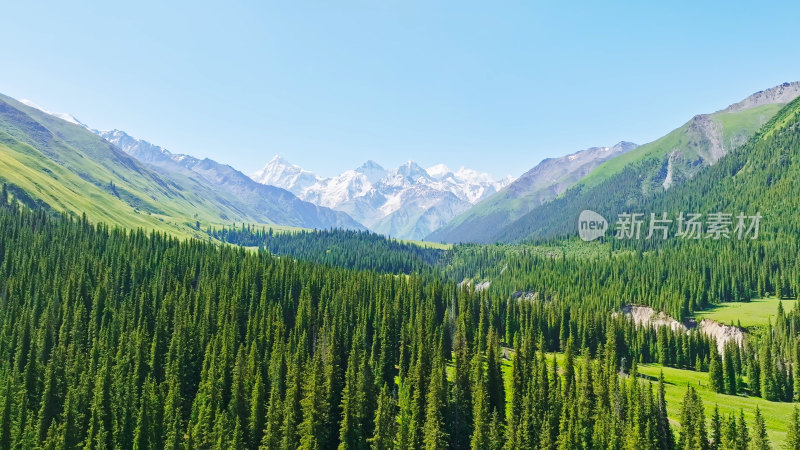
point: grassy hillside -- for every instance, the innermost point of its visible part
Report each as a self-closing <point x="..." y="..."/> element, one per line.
<point x="73" y="170"/>
<point x="633" y="181"/>
<point x="65" y="191"/>
<point x="755" y="313"/>
<point x="48" y="161"/>
<point x="777" y="414"/>
<point x="736" y="127"/>
<point x="534" y="188"/>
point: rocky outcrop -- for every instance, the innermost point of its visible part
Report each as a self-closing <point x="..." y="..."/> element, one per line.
<point x="782" y="93"/>
<point x="647" y="316"/>
<point x="722" y="333"/>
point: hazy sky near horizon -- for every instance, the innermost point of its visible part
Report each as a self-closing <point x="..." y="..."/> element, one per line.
<point x="494" y="86"/>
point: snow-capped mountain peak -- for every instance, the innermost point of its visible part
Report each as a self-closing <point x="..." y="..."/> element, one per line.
<point x="406" y="202"/>
<point x="62" y="116"/>
<point x="372" y="170"/>
<point x="438" y="171"/>
<point x="283" y="174"/>
<point x="411" y="170"/>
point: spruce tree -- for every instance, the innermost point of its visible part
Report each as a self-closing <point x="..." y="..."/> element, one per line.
<point x="716" y="429"/>
<point x="313" y="430"/>
<point x="729" y="370"/>
<point x="434" y="432"/>
<point x="766" y="364"/>
<point x="729" y="433"/>
<point x="742" y="433"/>
<point x="664" y="431"/>
<point x="793" y="433"/>
<point x="715" y="374"/>
<point x="480" y="403"/>
<point x="760" y="439"/>
<point x="351" y="435"/>
<point x="385" y="421"/>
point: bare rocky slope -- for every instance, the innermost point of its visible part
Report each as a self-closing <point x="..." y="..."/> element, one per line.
<point x="647" y="316"/>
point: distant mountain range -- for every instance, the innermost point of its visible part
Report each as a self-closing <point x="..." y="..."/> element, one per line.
<point x="55" y="161"/>
<point x="546" y="181"/>
<point x="647" y="172"/>
<point x="407" y="202"/>
<point x="275" y="204"/>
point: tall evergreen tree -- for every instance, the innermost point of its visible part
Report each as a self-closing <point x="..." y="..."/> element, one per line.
<point x="435" y="435"/>
<point x="760" y="439"/>
<point x="385" y="421"/>
<point x="716" y="378"/>
<point x="793" y="433"/>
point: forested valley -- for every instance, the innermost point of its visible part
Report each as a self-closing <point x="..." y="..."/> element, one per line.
<point x="111" y="338"/>
<point x="247" y="338"/>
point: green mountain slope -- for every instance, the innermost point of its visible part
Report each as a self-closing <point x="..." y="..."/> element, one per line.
<point x="762" y="176"/>
<point x="539" y="185"/>
<point x="68" y="168"/>
<point x="634" y="179"/>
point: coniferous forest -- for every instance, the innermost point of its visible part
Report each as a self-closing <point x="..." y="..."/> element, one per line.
<point x="116" y="338"/>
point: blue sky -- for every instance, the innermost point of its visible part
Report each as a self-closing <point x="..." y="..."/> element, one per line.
<point x="496" y="86"/>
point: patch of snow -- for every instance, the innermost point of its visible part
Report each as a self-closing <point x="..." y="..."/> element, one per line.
<point x="283" y="174"/>
<point x="438" y="171"/>
<point x="62" y="116"/>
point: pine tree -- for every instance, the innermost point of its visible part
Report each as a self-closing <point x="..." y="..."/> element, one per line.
<point x="480" y="403"/>
<point x="460" y="403"/>
<point x="173" y="422"/>
<point x="405" y="419"/>
<point x="760" y="439"/>
<point x="494" y="376"/>
<point x="351" y="435"/>
<point x="793" y="433"/>
<point x="101" y="426"/>
<point x="664" y="431"/>
<point x="273" y="431"/>
<point x="716" y="429"/>
<point x="585" y="401"/>
<point x="729" y="370"/>
<point x="693" y="429"/>
<point x="766" y="364"/>
<point x="385" y="421"/>
<point x="742" y="434"/>
<point x="569" y="367"/>
<point x="715" y="374"/>
<point x="729" y="433"/>
<point x="313" y="429"/>
<point x="293" y="414"/>
<point x="147" y="434"/>
<point x="496" y="432"/>
<point x="434" y="435"/>
<point x="257" y="412"/>
<point x="5" y="417"/>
